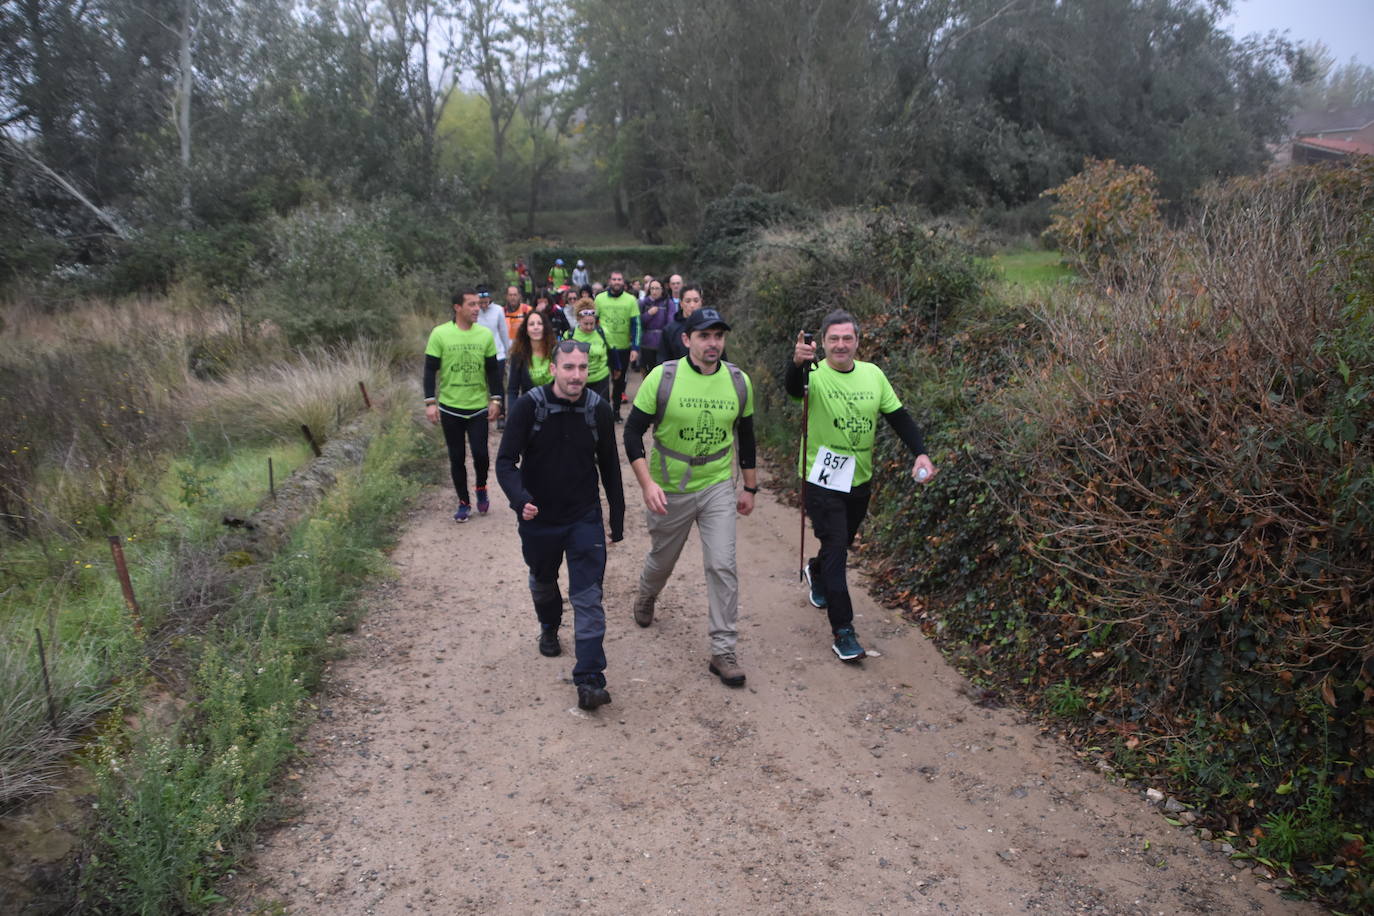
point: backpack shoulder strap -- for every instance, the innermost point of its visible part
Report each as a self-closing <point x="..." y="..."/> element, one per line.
<point x="665" y="388"/>
<point x="541" y="408"/>
<point x="589" y="410"/>
<point x="741" y="387"/>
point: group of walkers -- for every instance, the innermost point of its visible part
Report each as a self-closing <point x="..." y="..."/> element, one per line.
<point x="554" y="374"/>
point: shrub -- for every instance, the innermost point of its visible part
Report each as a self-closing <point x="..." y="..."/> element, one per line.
<point x="1104" y="215"/>
<point x="729" y="225"/>
<point x="328" y="276"/>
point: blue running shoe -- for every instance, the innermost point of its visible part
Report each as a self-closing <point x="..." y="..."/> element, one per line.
<point x="483" y="504"/>
<point x="463" y="514"/>
<point x="816" y="598"/>
<point x="847" y="646"/>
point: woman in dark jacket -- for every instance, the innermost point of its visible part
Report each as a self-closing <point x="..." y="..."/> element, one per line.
<point x="654" y="314"/>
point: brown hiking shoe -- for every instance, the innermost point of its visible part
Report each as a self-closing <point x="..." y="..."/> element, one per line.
<point x="644" y="609"/>
<point x="726" y="667"/>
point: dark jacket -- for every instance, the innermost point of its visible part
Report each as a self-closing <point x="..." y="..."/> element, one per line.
<point x="651" y="326"/>
<point x="557" y="469"/>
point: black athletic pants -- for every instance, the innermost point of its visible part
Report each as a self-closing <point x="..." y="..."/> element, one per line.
<point x="835" y="517"/>
<point x="620" y="362"/>
<point x="475" y="429"/>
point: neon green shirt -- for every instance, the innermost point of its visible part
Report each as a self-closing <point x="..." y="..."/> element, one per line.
<point x="598" y="362"/>
<point x="615" y="314"/>
<point x="541" y="372"/>
<point x="844" y="414"/>
<point x="699" y="420"/>
<point x="462" y="378"/>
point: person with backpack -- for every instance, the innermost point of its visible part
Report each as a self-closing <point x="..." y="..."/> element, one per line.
<point x="560" y="437"/>
<point x="702" y="413"/>
<point x="558" y="274"/>
<point x="589" y="332"/>
<point x="844" y="398"/>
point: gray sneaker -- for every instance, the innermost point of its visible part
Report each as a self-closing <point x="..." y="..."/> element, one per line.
<point x="644" y="609"/>
<point x="726" y="667"/>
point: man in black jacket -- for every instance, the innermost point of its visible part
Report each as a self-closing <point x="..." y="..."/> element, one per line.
<point x="557" y="438"/>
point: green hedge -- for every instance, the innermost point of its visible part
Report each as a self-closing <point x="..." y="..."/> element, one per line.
<point x="634" y="260"/>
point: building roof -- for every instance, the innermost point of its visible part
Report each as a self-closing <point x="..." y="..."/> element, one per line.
<point x="1317" y="122"/>
<point x="1349" y="147"/>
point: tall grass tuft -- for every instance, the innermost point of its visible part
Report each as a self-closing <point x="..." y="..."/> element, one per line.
<point x="317" y="388"/>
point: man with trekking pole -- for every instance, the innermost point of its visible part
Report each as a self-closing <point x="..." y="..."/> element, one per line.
<point x="842" y="399"/>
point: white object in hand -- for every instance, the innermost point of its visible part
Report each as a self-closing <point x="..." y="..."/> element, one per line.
<point x="922" y="473"/>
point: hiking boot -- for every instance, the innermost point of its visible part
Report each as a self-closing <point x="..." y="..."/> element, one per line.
<point x="590" y="697"/>
<point x="548" y="642"/>
<point x="483" y="504"/>
<point x="644" y="609"/>
<point x="726" y="667"/>
<point x="463" y="514"/>
<point x="815" y="597"/>
<point x="846" y="646"/>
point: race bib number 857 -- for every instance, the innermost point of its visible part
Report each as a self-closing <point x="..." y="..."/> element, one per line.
<point x="832" y="470"/>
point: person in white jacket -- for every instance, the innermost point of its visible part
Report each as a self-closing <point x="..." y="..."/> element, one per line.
<point x="581" y="276"/>
<point x="493" y="317"/>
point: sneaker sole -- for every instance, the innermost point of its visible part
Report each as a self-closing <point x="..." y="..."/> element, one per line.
<point x="810" y="593"/>
<point x="727" y="681"/>
<point x="849" y="658"/>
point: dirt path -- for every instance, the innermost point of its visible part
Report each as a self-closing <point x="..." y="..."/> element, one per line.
<point x="451" y="771"/>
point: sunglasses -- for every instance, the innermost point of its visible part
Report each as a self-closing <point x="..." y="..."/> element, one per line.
<point x="585" y="312"/>
<point x="567" y="346"/>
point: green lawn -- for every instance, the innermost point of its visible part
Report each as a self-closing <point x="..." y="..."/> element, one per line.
<point x="1031" y="268"/>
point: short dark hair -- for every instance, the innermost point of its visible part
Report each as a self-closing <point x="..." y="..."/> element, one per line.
<point x="465" y="291"/>
<point x="689" y="288"/>
<point x="839" y="316"/>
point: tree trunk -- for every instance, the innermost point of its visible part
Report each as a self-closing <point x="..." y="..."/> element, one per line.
<point x="186" y="80"/>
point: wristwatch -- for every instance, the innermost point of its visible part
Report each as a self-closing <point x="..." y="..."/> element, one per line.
<point x="751" y="490"/>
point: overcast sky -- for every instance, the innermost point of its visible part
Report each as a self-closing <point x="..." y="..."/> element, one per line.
<point x="1344" y="26"/>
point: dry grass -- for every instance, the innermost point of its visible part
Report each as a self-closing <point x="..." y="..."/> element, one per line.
<point x="317" y="388"/>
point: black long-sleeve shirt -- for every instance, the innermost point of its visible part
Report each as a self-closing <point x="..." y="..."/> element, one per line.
<point x="900" y="421"/>
<point x="557" y="468"/>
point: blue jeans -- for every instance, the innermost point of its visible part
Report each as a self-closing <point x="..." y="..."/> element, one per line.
<point x="584" y="542"/>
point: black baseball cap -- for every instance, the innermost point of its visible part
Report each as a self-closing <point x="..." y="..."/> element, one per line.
<point x="703" y="318"/>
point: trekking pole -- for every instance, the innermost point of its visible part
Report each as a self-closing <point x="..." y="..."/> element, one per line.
<point x="801" y="493"/>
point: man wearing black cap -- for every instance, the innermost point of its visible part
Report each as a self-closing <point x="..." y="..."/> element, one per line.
<point x="702" y="410"/>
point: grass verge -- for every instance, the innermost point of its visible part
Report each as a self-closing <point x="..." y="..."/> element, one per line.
<point x="175" y="803"/>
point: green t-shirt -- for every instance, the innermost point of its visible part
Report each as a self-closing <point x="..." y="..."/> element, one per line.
<point x="844" y="414"/>
<point x="598" y="365"/>
<point x="558" y="276"/>
<point x="462" y="380"/>
<point x="615" y="314"/>
<point x="699" y="420"/>
<point x="541" y="372"/>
